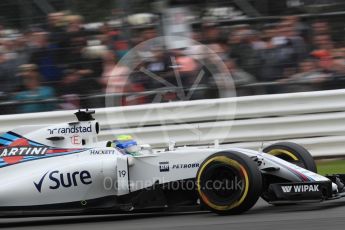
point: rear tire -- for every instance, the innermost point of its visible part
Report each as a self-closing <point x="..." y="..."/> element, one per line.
<point x="239" y="179"/>
<point x="293" y="153"/>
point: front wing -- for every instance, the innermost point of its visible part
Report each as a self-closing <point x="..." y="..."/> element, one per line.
<point x="300" y="191"/>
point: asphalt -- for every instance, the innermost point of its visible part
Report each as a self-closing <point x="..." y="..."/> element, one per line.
<point x="323" y="216"/>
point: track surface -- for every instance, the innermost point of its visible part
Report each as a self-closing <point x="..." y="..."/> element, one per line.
<point x="323" y="216"/>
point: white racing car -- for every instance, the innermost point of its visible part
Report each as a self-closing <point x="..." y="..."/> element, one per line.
<point x="63" y="169"/>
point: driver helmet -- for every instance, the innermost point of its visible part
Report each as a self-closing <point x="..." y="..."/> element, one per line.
<point x="127" y="144"/>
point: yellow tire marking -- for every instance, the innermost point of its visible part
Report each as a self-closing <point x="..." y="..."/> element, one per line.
<point x="276" y="152"/>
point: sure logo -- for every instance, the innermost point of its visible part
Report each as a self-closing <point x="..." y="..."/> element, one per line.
<point x="57" y="180"/>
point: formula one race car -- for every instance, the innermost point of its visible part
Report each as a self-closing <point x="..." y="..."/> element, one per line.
<point x="63" y="169"/>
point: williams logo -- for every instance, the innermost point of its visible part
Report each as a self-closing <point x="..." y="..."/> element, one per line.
<point x="56" y="180"/>
<point x="164" y="166"/>
<point x="68" y="130"/>
<point x="23" y="151"/>
<point x="300" y="188"/>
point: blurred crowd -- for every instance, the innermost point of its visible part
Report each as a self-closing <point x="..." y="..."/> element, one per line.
<point x="294" y="55"/>
<point x="56" y="65"/>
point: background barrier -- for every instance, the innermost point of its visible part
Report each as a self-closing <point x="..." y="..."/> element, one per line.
<point x="313" y="119"/>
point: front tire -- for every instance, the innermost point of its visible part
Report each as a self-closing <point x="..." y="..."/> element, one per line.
<point x="229" y="183"/>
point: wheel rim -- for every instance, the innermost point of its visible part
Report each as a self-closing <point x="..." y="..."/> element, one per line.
<point x="226" y="171"/>
<point x="221" y="182"/>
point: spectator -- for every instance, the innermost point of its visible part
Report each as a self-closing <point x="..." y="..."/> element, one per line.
<point x="7" y="75"/>
<point x="323" y="42"/>
<point x="320" y="28"/>
<point x="45" y="56"/>
<point x="86" y="66"/>
<point x="23" y="50"/>
<point x="8" y="45"/>
<point x="117" y="81"/>
<point x="240" y="77"/>
<point x="56" y="28"/>
<point x="284" y="50"/>
<point x="324" y="61"/>
<point x="161" y="65"/>
<point x="70" y="83"/>
<point x="212" y="34"/>
<point x="244" y="49"/>
<point x="146" y="42"/>
<point x="75" y="42"/>
<point x="34" y="92"/>
<point x="75" y="61"/>
<point x="308" y="78"/>
<point x="338" y="56"/>
<point x="301" y="29"/>
<point x="323" y="53"/>
<point x="271" y="69"/>
<point x="197" y="50"/>
<point x="109" y="63"/>
<point x="298" y="45"/>
<point x="75" y="24"/>
<point x="115" y="40"/>
<point x="187" y="68"/>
